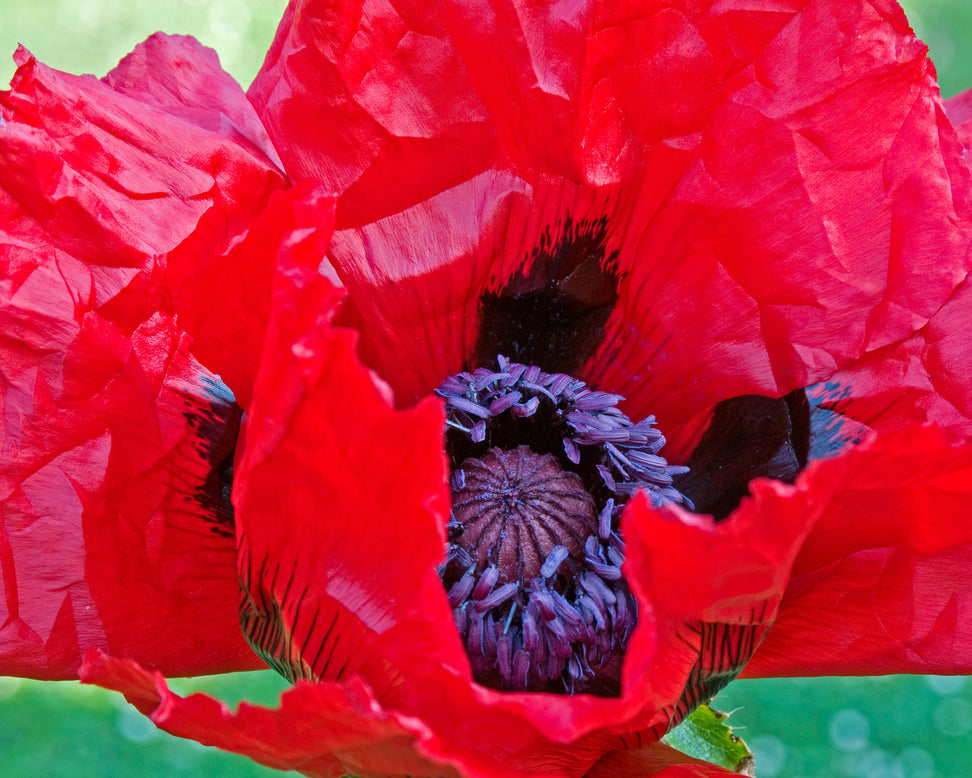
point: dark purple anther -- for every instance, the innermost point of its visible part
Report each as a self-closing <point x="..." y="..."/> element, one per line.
<point x="521" y="671"/>
<point x="469" y="407"/>
<point x="478" y="432"/>
<point x="497" y="597"/>
<point x="503" y="402"/>
<point x="474" y="639"/>
<point x="504" y="656"/>
<point x="457" y="479"/>
<point x="486" y="582"/>
<point x="489" y="636"/>
<point x="607" y="477"/>
<point x="605" y="520"/>
<point x="572" y="450"/>
<point x="461" y="589"/>
<point x="557" y="555"/>
<point x="540" y="597"/>
<point x="531" y="637"/>
<point x="558" y="383"/>
<point x="528" y="408"/>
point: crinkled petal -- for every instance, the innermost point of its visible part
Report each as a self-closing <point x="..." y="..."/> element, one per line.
<point x="115" y="530"/>
<point x="115" y="533"/>
<point x="707" y="592"/>
<point x="527" y="61"/>
<point x="923" y="378"/>
<point x="123" y="178"/>
<point x="225" y="303"/>
<point x="731" y="236"/>
<point x="881" y="584"/>
<point x="340" y="563"/>
<point x="409" y="278"/>
<point x="959" y="109"/>
<point x="177" y="75"/>
<point x="825" y="186"/>
<point x="324" y="730"/>
<point x="358" y="95"/>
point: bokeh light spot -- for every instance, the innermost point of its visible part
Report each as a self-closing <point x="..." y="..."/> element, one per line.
<point x="953" y="716"/>
<point x="849" y="729"/>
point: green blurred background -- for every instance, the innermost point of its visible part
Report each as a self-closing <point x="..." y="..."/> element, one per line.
<point x="894" y="727"/>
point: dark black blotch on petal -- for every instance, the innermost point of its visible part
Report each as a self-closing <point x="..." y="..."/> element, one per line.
<point x="749" y="437"/>
<point x="553" y="316"/>
<point x="214" y="416"/>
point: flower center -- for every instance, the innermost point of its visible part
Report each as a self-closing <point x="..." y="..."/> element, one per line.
<point x="541" y="469"/>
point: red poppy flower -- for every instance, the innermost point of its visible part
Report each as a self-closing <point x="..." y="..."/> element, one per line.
<point x="698" y="207"/>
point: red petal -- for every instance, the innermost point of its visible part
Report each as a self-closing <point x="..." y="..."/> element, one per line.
<point x="409" y="278"/>
<point x="781" y="192"/>
<point x="225" y="303"/>
<point x="331" y="729"/>
<point x="110" y="173"/>
<point x="959" y="110"/>
<point x="113" y="531"/>
<point x="527" y="63"/>
<point x="324" y="729"/>
<point x="658" y="761"/>
<point x="879" y="586"/>
<point x="807" y="199"/>
<point x="358" y="97"/>
<point x="177" y="75"/>
<point x="923" y="378"/>
<point x="706" y="591"/>
<point x="342" y="560"/>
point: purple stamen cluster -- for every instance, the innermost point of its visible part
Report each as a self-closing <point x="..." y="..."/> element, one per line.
<point x="541" y="469"/>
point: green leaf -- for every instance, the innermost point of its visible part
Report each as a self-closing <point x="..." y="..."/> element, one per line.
<point x="706" y="735"/>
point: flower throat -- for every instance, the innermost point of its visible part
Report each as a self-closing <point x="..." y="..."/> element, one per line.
<point x="542" y="467"/>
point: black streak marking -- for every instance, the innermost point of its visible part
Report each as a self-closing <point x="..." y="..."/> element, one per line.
<point x="723" y="651"/>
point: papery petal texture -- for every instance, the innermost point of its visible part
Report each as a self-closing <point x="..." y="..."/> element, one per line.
<point x="959" y="110"/>
<point x="359" y="469"/>
<point x="694" y="193"/>
<point x="922" y="378"/>
<point x="358" y="94"/>
<point x="115" y="532"/>
<point x="324" y="730"/>
<point x="332" y="729"/>
<point x="879" y="586"/>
